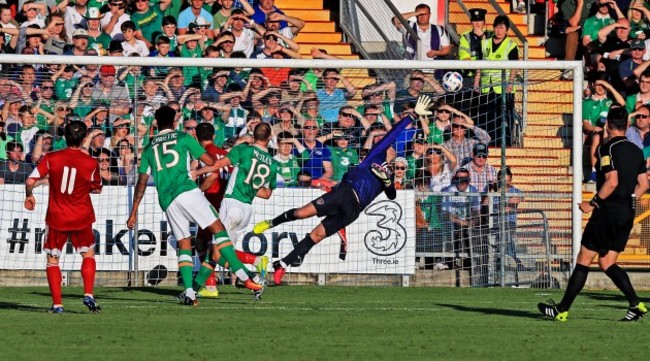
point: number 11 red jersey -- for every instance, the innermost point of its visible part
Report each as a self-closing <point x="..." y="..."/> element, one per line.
<point x="72" y="176"/>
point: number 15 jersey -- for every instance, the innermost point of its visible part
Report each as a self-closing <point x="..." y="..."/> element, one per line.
<point x="254" y="168"/>
<point x="72" y="176"/>
<point x="168" y="157"/>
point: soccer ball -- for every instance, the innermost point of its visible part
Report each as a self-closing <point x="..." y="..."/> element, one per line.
<point x="452" y="81"/>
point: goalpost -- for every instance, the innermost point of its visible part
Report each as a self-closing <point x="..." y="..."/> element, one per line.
<point x="386" y="245"/>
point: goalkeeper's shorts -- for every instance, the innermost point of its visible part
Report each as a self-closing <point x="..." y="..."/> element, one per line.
<point x="340" y="207"/>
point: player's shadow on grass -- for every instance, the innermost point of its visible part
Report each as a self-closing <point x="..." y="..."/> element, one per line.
<point x="28" y="308"/>
<point x="491" y="311"/>
<point x="604" y="296"/>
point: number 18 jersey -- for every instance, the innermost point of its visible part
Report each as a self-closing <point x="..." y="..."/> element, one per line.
<point x="254" y="168"/>
<point x="167" y="155"/>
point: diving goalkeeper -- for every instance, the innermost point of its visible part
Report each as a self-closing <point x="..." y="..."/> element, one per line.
<point x="342" y="206"/>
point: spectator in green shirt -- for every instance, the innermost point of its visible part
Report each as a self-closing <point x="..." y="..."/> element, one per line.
<point x="343" y="157"/>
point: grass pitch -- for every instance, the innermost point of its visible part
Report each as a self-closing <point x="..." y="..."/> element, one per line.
<point x="318" y="323"/>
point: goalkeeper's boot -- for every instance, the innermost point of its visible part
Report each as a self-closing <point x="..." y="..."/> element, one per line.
<point x="92" y="305"/>
<point x="56" y="309"/>
<point x="550" y="310"/>
<point x="262" y="226"/>
<point x="279" y="273"/>
<point x="635" y="313"/>
<point x="261" y="267"/>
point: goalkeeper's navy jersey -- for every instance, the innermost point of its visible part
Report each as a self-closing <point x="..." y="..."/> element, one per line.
<point x="365" y="183"/>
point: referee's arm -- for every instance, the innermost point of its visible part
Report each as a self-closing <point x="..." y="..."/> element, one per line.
<point x="611" y="181"/>
<point x="642" y="185"/>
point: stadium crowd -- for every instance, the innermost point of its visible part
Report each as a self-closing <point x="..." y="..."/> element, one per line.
<point x="323" y="123"/>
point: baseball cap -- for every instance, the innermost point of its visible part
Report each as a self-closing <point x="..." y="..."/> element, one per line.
<point x="80" y="33"/>
<point x="198" y="21"/>
<point x="107" y="70"/>
<point x="401" y="160"/>
<point x="93" y="13"/>
<point x="480" y="149"/>
<point x="420" y="137"/>
<point x="637" y="44"/>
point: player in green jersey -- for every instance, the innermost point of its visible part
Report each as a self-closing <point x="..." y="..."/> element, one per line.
<point x="254" y="175"/>
<point x="167" y="156"/>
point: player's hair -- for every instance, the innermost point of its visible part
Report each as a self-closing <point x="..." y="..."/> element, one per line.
<point x="74" y="133"/>
<point x="204" y="131"/>
<point x="262" y="132"/>
<point x="617" y="118"/>
<point x="165" y="117"/>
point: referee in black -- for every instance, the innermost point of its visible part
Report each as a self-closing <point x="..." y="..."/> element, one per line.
<point x="621" y="179"/>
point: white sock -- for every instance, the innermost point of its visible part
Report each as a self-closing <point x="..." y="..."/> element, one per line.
<point x="189" y="292"/>
<point x="242" y="275"/>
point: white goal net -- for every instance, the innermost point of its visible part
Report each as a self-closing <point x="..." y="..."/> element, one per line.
<point x="516" y="229"/>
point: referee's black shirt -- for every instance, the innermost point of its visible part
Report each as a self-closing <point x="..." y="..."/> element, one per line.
<point x="624" y="157"/>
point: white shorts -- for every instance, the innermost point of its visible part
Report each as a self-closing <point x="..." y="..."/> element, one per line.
<point x="190" y="206"/>
<point x="235" y="216"/>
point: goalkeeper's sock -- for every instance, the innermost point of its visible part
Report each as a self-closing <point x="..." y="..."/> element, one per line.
<point x="295" y="257"/>
<point x="54" y="279"/>
<point x="576" y="282"/>
<point x="185" y="267"/>
<point x="88" y="268"/>
<point x="247" y="258"/>
<point x="622" y="281"/>
<point x="287" y="216"/>
<point x="228" y="255"/>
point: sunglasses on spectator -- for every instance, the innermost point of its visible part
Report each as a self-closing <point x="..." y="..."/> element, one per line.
<point x="400" y="168"/>
<point x="64" y="108"/>
<point x="190" y="128"/>
<point x="103" y="160"/>
<point x="481" y="156"/>
<point x="347" y="115"/>
<point x="270" y="37"/>
<point x="443" y="111"/>
<point x="227" y="42"/>
<point x="310" y="128"/>
<point x="88" y="86"/>
<point x="47" y="88"/>
<point x="642" y="116"/>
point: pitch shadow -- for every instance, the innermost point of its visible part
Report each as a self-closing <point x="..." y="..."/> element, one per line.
<point x="28" y="308"/>
<point x="604" y="296"/>
<point x="493" y="311"/>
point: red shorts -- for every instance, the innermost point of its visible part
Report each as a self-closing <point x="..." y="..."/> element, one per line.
<point x="82" y="240"/>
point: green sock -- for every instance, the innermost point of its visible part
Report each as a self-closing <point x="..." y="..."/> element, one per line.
<point x="185" y="266"/>
<point x="228" y="254"/>
<point x="205" y="272"/>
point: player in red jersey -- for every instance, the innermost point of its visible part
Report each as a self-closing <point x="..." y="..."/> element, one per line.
<point x="72" y="176"/>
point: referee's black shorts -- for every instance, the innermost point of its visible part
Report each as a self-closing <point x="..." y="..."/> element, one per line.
<point x="340" y="207"/>
<point x="609" y="228"/>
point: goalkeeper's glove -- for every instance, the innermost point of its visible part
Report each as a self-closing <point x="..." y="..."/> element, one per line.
<point x="382" y="173"/>
<point x="422" y="105"/>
